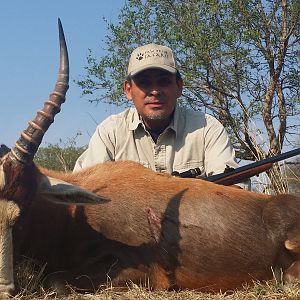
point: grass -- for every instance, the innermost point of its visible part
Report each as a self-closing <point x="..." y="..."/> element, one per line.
<point x="30" y="276"/>
<point x="267" y="291"/>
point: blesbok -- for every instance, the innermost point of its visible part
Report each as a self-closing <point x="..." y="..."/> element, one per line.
<point x="122" y="223"/>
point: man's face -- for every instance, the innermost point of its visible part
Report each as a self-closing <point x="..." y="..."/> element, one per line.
<point x="154" y="93"/>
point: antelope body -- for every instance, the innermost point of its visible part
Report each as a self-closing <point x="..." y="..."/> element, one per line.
<point x="178" y="233"/>
<point x="119" y="222"/>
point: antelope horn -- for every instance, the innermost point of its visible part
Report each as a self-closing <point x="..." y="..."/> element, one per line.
<point x="27" y="145"/>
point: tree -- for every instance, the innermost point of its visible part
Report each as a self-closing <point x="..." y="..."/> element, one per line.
<point x="61" y="156"/>
<point x="240" y="60"/>
<point x="293" y="175"/>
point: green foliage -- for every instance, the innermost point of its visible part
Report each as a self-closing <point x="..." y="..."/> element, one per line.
<point x="240" y="60"/>
<point x="61" y="156"/>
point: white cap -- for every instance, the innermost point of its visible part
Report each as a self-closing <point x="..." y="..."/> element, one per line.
<point x="151" y="56"/>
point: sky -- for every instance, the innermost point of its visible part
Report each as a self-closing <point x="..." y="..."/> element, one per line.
<point x="29" y="60"/>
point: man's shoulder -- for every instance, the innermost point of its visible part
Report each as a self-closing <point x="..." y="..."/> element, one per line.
<point x="186" y="111"/>
<point x="124" y="117"/>
<point x="194" y="116"/>
<point x="191" y="120"/>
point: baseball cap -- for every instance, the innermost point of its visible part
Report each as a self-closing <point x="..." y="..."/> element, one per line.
<point x="151" y="56"/>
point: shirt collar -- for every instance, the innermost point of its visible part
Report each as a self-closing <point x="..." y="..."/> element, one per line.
<point x="134" y="120"/>
<point x="175" y="121"/>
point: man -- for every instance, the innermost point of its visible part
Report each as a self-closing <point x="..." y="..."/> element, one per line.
<point x="157" y="132"/>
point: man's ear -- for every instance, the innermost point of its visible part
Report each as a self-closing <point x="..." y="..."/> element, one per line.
<point x="127" y="89"/>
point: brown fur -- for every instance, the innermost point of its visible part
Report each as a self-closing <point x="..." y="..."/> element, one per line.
<point x="292" y="273"/>
<point x="210" y="237"/>
<point x="20" y="181"/>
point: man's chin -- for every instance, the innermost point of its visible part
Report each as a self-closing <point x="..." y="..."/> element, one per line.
<point x="158" y="116"/>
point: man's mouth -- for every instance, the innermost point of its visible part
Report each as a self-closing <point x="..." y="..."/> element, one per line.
<point x="154" y="102"/>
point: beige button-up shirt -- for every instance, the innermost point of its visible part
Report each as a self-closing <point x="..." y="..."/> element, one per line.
<point x="192" y="140"/>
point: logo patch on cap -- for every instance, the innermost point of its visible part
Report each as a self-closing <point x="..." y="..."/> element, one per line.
<point x="152" y="54"/>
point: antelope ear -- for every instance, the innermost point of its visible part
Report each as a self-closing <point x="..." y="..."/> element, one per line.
<point x="62" y="192"/>
<point x="293" y="245"/>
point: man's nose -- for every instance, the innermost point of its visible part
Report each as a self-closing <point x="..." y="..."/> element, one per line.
<point x="154" y="92"/>
<point x="154" y="89"/>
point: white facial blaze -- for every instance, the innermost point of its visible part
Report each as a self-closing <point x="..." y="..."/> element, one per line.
<point x="6" y="261"/>
<point x="2" y="177"/>
<point x="9" y="212"/>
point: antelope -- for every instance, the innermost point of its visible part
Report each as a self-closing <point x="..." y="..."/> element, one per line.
<point x="120" y="222"/>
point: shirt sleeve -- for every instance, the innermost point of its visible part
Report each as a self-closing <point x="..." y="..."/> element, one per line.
<point x="101" y="148"/>
<point x="218" y="150"/>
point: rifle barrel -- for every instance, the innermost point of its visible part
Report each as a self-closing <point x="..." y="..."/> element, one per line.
<point x="256" y="164"/>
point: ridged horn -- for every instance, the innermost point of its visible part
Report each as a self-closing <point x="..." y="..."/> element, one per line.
<point x="31" y="138"/>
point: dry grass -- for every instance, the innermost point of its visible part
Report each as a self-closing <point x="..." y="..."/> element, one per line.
<point x="267" y="291"/>
<point x="30" y="275"/>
